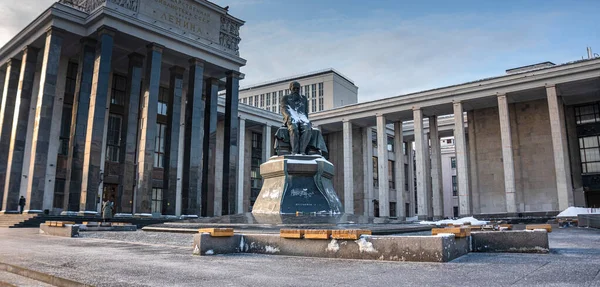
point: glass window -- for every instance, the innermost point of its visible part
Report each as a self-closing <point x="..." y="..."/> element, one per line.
<point x="262" y="100"/>
<point x="313" y="105"/>
<point x="589" y="149"/>
<point x="244" y="100"/>
<point x="59" y="193"/>
<point x="406" y="176"/>
<point x="455" y="209"/>
<point x="71" y="79"/>
<point x="453" y="162"/>
<point x="268" y="99"/>
<point x="119" y="89"/>
<point x="404" y="148"/>
<point x="314" y="91"/>
<point x="391" y="177"/>
<point x="287" y="91"/>
<point x="256" y="100"/>
<point x="321" y="104"/>
<point x="390" y="143"/>
<point x="454" y="186"/>
<point x="393" y="209"/>
<point x="163" y="100"/>
<point x="587" y="114"/>
<point x="255" y="178"/>
<point x="307" y="90"/>
<point x="159" y="145"/>
<point x="157" y="195"/>
<point x="65" y="129"/>
<point x="113" y="138"/>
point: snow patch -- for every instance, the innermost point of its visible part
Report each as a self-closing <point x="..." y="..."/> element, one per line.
<point x="271" y="249"/>
<point x="460" y="221"/>
<point x="365" y="246"/>
<point x="209" y="252"/>
<point x="445" y="234"/>
<point x="574" y="211"/>
<point x="196" y="249"/>
<point x="333" y="246"/>
<point x="414" y="218"/>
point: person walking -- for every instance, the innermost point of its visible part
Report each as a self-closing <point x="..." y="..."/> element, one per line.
<point x="21" y="204"/>
<point x="107" y="210"/>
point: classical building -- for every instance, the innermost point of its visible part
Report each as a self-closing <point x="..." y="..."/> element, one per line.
<point x="119" y="100"/>
<point x="326" y="89"/>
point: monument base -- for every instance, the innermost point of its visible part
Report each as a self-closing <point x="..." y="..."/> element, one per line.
<point x="297" y="184"/>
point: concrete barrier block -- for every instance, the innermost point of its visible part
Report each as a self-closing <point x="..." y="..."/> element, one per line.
<point x="516" y="241"/>
<point x="64" y="231"/>
<point x="390" y="248"/>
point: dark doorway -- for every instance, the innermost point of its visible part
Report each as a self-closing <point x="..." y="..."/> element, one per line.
<point x="592" y="198"/>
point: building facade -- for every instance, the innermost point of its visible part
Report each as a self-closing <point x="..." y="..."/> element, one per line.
<point x="326" y="89"/>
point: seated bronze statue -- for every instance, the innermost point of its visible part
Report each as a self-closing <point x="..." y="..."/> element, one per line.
<point x="297" y="136"/>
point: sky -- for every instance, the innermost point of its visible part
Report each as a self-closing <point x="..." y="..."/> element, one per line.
<point x="392" y="47"/>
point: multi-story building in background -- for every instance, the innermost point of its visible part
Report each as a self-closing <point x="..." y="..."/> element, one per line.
<point x="325" y="90"/>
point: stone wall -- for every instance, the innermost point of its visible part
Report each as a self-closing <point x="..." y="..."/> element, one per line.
<point x="533" y="158"/>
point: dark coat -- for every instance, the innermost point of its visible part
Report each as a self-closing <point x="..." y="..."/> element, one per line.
<point x="22" y="201"/>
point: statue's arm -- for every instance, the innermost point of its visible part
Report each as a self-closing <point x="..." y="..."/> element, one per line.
<point x="284" y="106"/>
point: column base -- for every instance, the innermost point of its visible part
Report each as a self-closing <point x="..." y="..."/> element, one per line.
<point x="437" y="217"/>
<point x="422" y="217"/>
<point x="9" y="212"/>
<point x="33" y="211"/>
<point x="88" y="213"/>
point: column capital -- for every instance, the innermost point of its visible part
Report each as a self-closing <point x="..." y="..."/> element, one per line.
<point x="177" y="70"/>
<point x="550" y="85"/>
<point x="136" y="58"/>
<point x="196" y="62"/>
<point x="501" y="95"/>
<point x="155" y="47"/>
<point x="30" y="48"/>
<point x="52" y="30"/>
<point x="415" y="108"/>
<point x="89" y="41"/>
<point x="346" y="121"/>
<point x="234" y="74"/>
<point x="106" y="30"/>
<point x="380" y="115"/>
<point x="12" y="61"/>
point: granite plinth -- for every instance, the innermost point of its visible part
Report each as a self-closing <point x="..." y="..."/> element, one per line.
<point x="297" y="183"/>
<point x="272" y="223"/>
<point x="515" y="241"/>
<point x="69" y="230"/>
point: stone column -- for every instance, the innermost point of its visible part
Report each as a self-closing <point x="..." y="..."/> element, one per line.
<point x="210" y="138"/>
<point x="172" y="144"/>
<point x="266" y="137"/>
<point x="130" y="130"/>
<point x="231" y="141"/>
<point x="193" y="141"/>
<point x="436" y="169"/>
<point x="507" y="155"/>
<point x="147" y="138"/>
<point x="421" y="164"/>
<point x="399" y="174"/>
<point x="412" y="189"/>
<point x="40" y="182"/>
<point x="79" y="120"/>
<point x="368" y="170"/>
<point x="348" y="168"/>
<point x="240" y="166"/>
<point x="474" y="183"/>
<point x="562" y="164"/>
<point x="95" y="135"/>
<point x="462" y="170"/>
<point x="382" y="167"/>
<point x="8" y="110"/>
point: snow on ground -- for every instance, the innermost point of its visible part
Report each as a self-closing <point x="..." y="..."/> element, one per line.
<point x="574" y="211"/>
<point x="460" y="221"/>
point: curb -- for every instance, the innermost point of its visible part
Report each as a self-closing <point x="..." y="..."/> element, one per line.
<point x="39" y="276"/>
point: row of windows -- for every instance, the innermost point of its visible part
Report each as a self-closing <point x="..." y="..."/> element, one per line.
<point x="270" y="101"/>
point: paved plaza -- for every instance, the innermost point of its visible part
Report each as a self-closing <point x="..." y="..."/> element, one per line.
<point x="164" y="259"/>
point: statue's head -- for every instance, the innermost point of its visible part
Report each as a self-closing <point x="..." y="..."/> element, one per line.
<point x="295" y="87"/>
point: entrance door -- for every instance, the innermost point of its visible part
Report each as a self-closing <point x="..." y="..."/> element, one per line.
<point x="110" y="192"/>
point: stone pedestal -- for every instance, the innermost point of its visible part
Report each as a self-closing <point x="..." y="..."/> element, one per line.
<point x="297" y="183"/>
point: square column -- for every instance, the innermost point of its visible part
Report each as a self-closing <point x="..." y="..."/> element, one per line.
<point x="266" y="139"/>
<point x="40" y="178"/>
<point x="194" y="139"/>
<point x="173" y="186"/>
<point x="437" y="187"/>
<point x="412" y="188"/>
<point x="368" y="170"/>
<point x="130" y="132"/>
<point x="209" y="142"/>
<point x="562" y="164"/>
<point x="230" y="143"/>
<point x="382" y="167"/>
<point x="348" y="169"/>
<point x="8" y="110"/>
<point x="95" y="135"/>
<point x="241" y="176"/>
<point x="399" y="174"/>
<point x="147" y="137"/>
<point x="462" y="170"/>
<point x="421" y="148"/>
<point x="507" y="155"/>
<point x="79" y="120"/>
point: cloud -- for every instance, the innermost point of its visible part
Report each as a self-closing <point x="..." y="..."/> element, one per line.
<point x="386" y="56"/>
<point x="17" y="14"/>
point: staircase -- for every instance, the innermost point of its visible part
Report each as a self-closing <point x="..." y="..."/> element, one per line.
<point x="15" y="220"/>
